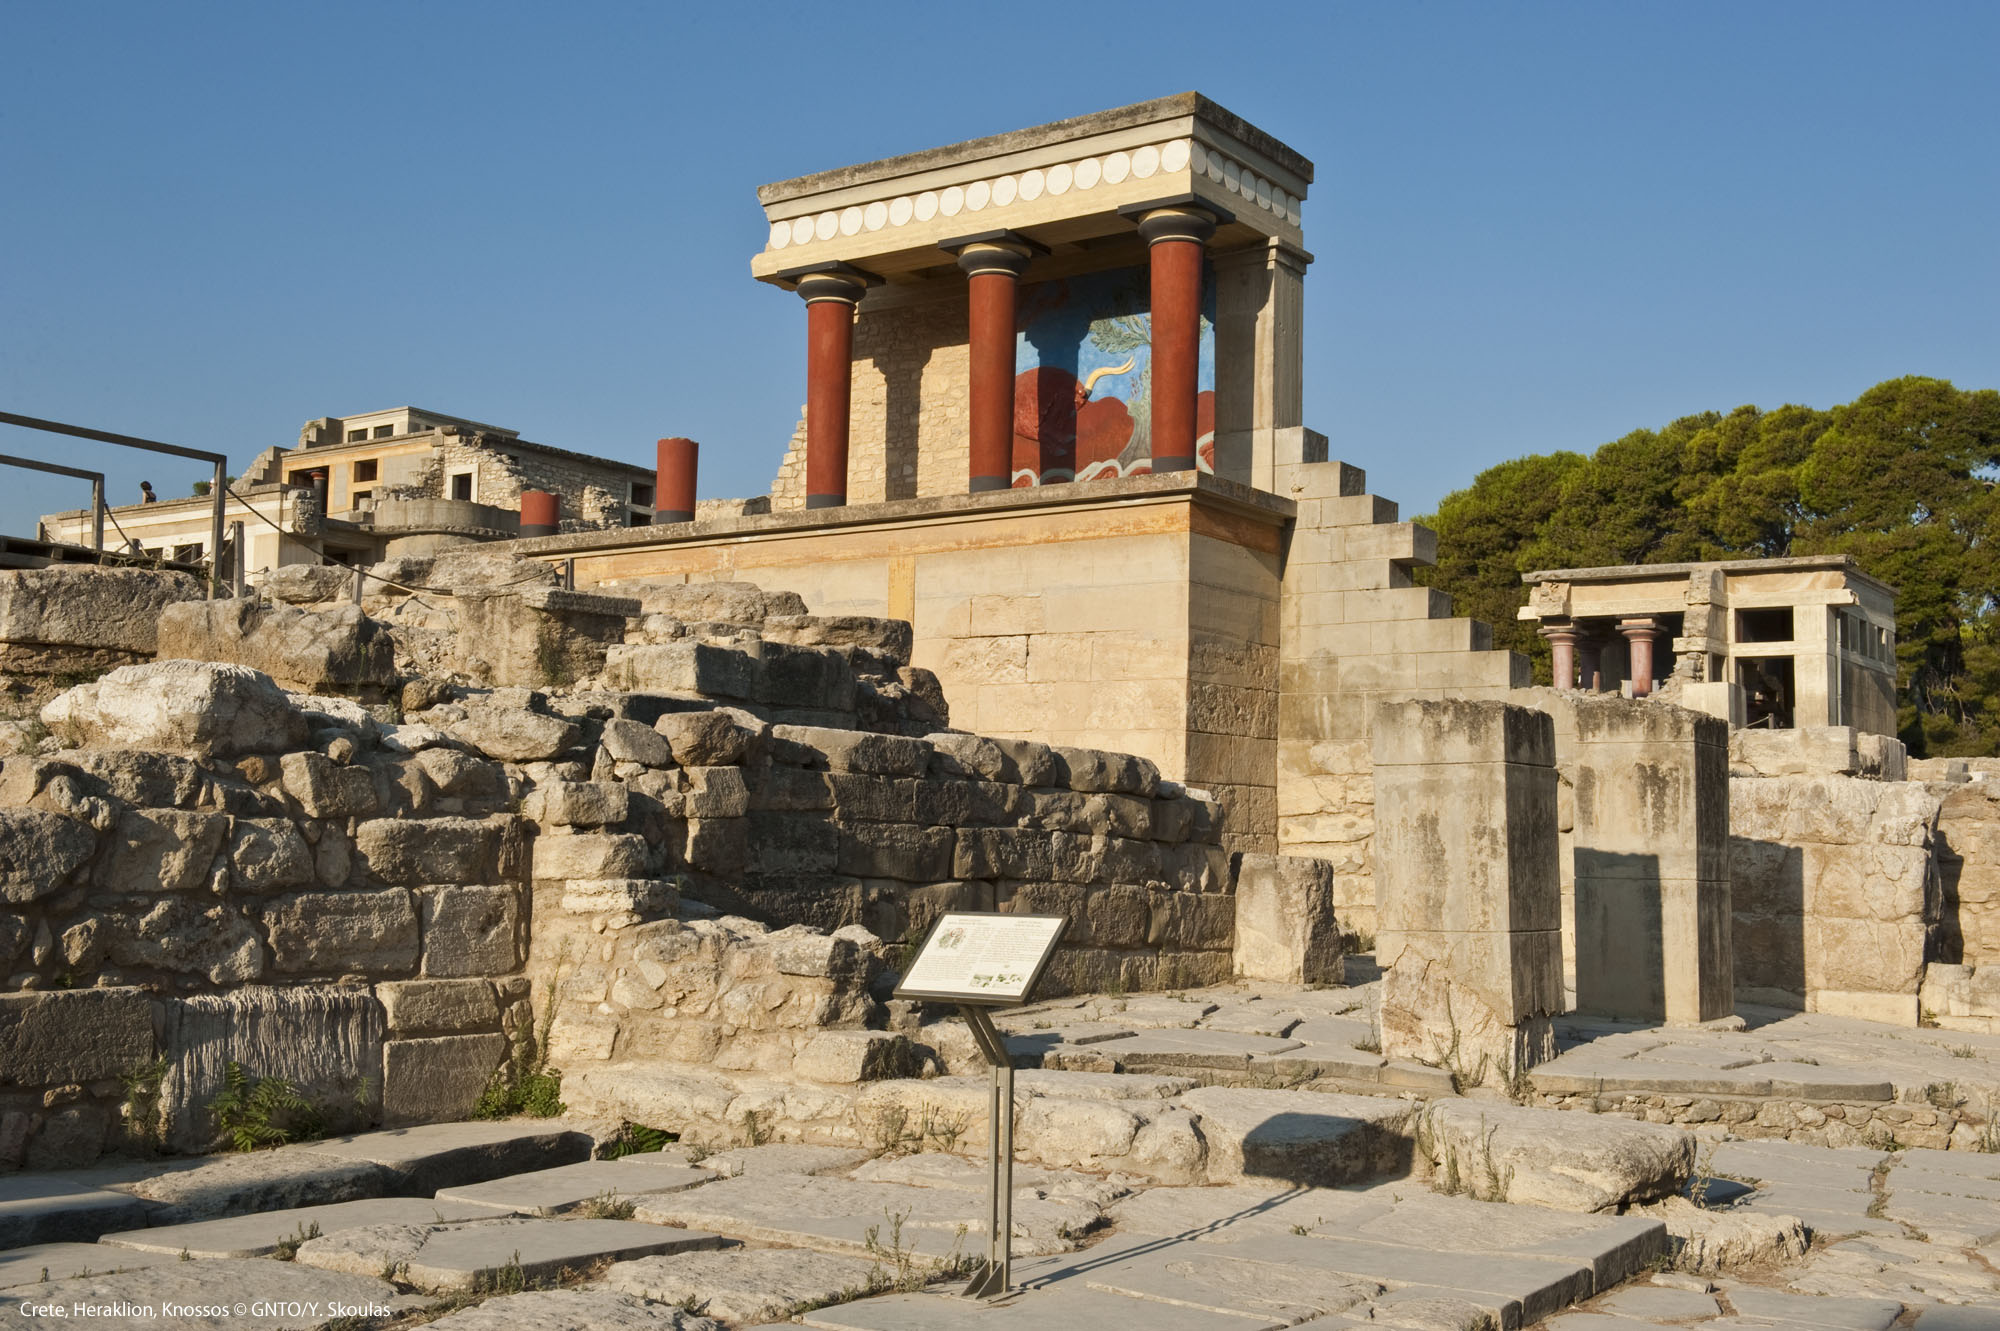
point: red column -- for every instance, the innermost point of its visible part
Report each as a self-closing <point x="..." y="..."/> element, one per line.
<point x="1639" y="633"/>
<point x="673" y="480"/>
<point x="830" y="300"/>
<point x="993" y="271"/>
<point x="1174" y="239"/>
<point x="1562" y="653"/>
<point x="540" y="513"/>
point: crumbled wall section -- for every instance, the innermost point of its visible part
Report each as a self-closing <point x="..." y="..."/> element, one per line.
<point x="1834" y="898"/>
<point x="1969" y="869"/>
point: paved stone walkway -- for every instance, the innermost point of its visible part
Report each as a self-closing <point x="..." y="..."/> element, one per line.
<point x="462" y="1223"/>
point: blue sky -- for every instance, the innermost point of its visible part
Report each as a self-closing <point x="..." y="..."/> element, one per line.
<point x="1537" y="225"/>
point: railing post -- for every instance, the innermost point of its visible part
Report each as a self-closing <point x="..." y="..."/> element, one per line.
<point x="242" y="556"/>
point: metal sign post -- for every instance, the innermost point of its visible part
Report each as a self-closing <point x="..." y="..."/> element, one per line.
<point x="983" y="960"/>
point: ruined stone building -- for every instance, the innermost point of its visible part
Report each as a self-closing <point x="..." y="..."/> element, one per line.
<point x="360" y="489"/>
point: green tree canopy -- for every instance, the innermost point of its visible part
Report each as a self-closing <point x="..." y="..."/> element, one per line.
<point x="1902" y="478"/>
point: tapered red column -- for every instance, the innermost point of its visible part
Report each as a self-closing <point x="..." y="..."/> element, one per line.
<point x="1562" y="653"/>
<point x="830" y="300"/>
<point x="1639" y="633"/>
<point x="674" y="480"/>
<point x="1174" y="239"/>
<point x="993" y="271"/>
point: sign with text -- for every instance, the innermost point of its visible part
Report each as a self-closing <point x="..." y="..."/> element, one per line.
<point x="983" y="958"/>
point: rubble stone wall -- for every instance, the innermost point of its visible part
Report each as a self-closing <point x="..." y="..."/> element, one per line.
<point x="66" y="623"/>
<point x="1836" y="902"/>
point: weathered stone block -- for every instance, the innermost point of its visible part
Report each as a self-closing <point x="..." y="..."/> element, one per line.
<point x="1286" y="930"/>
<point x="968" y="757"/>
<point x="83" y="605"/>
<point x="719" y="846"/>
<point x="846" y="1057"/>
<point x="516" y="734"/>
<point x="1098" y="771"/>
<point x="706" y="739"/>
<point x="75" y="1035"/>
<point x="630" y="742"/>
<point x="160" y="850"/>
<point x="588" y="855"/>
<point x="873" y="799"/>
<point x="891" y="638"/>
<point x="1467" y="886"/>
<point x="269" y="853"/>
<point x="411" y="851"/>
<point x="582" y="803"/>
<point x="324" y="789"/>
<point x="335" y="650"/>
<point x="438" y="1007"/>
<point x="682" y="667"/>
<point x="437" y="1080"/>
<point x="646" y="897"/>
<point x="335" y="933"/>
<point x="861" y="750"/>
<point x="895" y="850"/>
<point x="783" y="844"/>
<point x="38" y="852"/>
<point x="716" y="792"/>
<point x="812" y="678"/>
<point x="194" y="707"/>
<point x="471" y="930"/>
<point x="188" y="934"/>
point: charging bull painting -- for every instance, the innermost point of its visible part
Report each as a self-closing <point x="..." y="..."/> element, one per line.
<point x="1083" y="380"/>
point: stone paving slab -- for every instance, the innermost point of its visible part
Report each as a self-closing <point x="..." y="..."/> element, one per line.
<point x="782" y="1158"/>
<point x="1534" y="1287"/>
<point x="1256" y="1018"/>
<point x="835" y="1215"/>
<point x="448" y="1155"/>
<point x="1784" y="1162"/>
<point x="1241" y="1285"/>
<point x="39" y="1262"/>
<point x="1306" y="1138"/>
<point x="259" y="1235"/>
<point x="1101" y="1085"/>
<point x="239" y="1184"/>
<point x="746" y="1284"/>
<point x="1950" y="1164"/>
<point x="1191" y="1049"/>
<point x="935" y="1169"/>
<point x="1349" y="1031"/>
<point x="1961" y="1222"/>
<point x="1939" y="1317"/>
<point x="1809" y="1310"/>
<point x="1615" y="1247"/>
<point x="1239" y="1213"/>
<point x="470" y="1254"/>
<point x="1063" y="1309"/>
<point x="42" y="1208"/>
<point x="548" y="1192"/>
<point x="205" y="1296"/>
<point x="1660" y="1305"/>
<point x="573" y="1310"/>
<point x="1895" y="1267"/>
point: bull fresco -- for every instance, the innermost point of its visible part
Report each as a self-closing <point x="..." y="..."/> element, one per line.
<point x="1083" y="379"/>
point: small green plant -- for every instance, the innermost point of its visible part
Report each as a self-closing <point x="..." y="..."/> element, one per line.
<point x="607" y="1205"/>
<point x="527" y="1084"/>
<point x="255" y="1112"/>
<point x="142" y="1103"/>
<point x="288" y="1247"/>
<point x="899" y="1268"/>
<point x="1369" y="1046"/>
<point x="638" y="1139"/>
<point x="364" y="1100"/>
<point x="509" y="1279"/>
<point x="1988" y="1141"/>
<point x="1703" y="1177"/>
<point x="1963" y="1051"/>
<point x="186" y="1256"/>
<point x="755" y="1131"/>
<point x="1943" y="1095"/>
<point x="1451" y="1060"/>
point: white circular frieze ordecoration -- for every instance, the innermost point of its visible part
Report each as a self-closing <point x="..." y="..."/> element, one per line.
<point x="1088" y="173"/>
<point x="802" y="230"/>
<point x="977" y="195"/>
<point x="927" y="205"/>
<point x="850" y="221"/>
<point x="781" y="235"/>
<point x="876" y="217"/>
<point x="1175" y="156"/>
<point x="1003" y="191"/>
<point x="1117" y="167"/>
<point x="1215" y="163"/>
<point x="1232" y="176"/>
<point x="826" y="226"/>
<point x="1032" y="185"/>
<point x="1146" y="162"/>
<point x="952" y="202"/>
<point x="900" y="209"/>
<point x="1263" y="192"/>
<point x="1059" y="178"/>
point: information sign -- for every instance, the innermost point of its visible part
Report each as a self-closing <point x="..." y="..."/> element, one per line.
<point x="983" y="958"/>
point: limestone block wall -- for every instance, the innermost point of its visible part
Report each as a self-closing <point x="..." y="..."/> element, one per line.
<point x="66" y="622"/>
<point x="1968" y="855"/>
<point x="1835" y="901"/>
<point x="1355" y="631"/>
<point x="351" y="917"/>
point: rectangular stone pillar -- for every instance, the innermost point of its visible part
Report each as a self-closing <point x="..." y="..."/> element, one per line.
<point x="1652" y="862"/>
<point x="1469" y="933"/>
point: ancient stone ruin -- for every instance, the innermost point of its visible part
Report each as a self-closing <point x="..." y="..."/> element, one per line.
<point x="508" y="933"/>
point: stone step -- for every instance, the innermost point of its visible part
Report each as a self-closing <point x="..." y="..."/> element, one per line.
<point x="274" y="1296"/>
<point x="480" y="1254"/>
<point x="42" y="1208"/>
<point x="547" y="1192"/>
<point x="40" y="1262"/>
<point x="571" y="1310"/>
<point x="448" y="1155"/>
<point x="1307" y="1138"/>
<point x="259" y="1235"/>
<point x="747" y="1284"/>
<point x="1059" y="1309"/>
